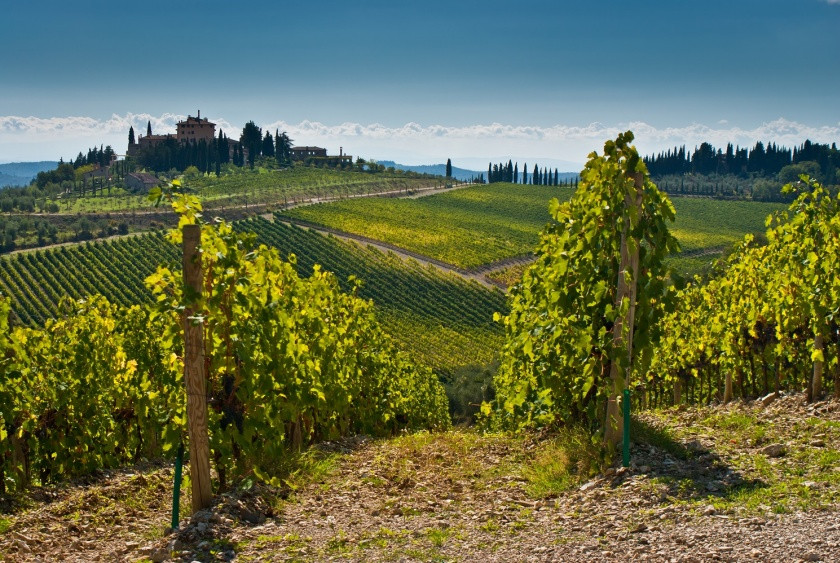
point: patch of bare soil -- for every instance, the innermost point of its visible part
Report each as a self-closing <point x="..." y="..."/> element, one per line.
<point x="745" y="482"/>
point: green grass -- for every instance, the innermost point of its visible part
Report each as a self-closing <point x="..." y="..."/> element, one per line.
<point x="805" y="478"/>
<point x="561" y="463"/>
<point x="482" y="224"/>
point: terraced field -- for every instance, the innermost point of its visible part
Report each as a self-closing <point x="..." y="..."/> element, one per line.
<point x="477" y="225"/>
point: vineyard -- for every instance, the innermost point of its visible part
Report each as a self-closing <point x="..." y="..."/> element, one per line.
<point x="441" y="319"/>
<point x="261" y="186"/>
<point x="474" y="226"/>
<point x="767" y="322"/>
<point x="467" y="227"/>
<point x="310" y="338"/>
<point x="598" y="320"/>
<point x="290" y="361"/>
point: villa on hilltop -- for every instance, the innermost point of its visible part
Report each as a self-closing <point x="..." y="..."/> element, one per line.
<point x="195" y="130"/>
<point x="192" y="130"/>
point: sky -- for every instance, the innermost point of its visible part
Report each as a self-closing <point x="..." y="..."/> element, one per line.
<point x="418" y="82"/>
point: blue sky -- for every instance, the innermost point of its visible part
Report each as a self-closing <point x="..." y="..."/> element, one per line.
<point x="419" y="81"/>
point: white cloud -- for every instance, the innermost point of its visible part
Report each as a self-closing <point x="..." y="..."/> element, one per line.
<point x="35" y="128"/>
<point x="35" y="138"/>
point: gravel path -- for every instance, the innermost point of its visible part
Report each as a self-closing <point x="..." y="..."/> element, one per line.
<point x="464" y="496"/>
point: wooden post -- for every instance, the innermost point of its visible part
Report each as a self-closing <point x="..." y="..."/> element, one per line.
<point x="727" y="387"/>
<point x="678" y="391"/>
<point x="202" y="494"/>
<point x="629" y="263"/>
<point x="816" y="382"/>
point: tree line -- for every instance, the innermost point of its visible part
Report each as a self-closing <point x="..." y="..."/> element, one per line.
<point x="758" y="161"/>
<point x="509" y="172"/>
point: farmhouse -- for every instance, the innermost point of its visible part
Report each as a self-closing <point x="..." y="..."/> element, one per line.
<point x="299" y="153"/>
<point x="318" y="153"/>
<point x="138" y="181"/>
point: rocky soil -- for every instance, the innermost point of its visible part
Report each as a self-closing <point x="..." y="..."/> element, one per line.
<point x="746" y="482"/>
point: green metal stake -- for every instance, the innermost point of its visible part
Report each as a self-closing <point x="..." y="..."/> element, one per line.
<point x="176" y="489"/>
<point x="625" y="453"/>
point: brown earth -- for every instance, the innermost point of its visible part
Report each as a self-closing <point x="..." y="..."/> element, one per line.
<point x="743" y="482"/>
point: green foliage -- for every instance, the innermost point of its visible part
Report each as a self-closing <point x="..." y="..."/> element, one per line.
<point x="442" y="320"/>
<point x="559" y="342"/>
<point x="92" y="389"/>
<point x="291" y="360"/>
<point x="759" y="319"/>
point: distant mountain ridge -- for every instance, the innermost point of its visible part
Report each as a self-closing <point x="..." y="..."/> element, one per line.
<point x="436" y="169"/>
<point x="22" y="173"/>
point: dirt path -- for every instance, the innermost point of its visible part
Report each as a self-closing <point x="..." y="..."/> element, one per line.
<point x="465" y="496"/>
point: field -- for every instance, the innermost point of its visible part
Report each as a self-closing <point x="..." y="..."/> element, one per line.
<point x="466" y="227"/>
<point x="254" y="187"/>
<point x="236" y="193"/>
<point x="443" y="320"/>
<point x="482" y="224"/>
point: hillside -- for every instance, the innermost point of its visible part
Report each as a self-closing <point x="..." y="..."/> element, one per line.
<point x="481" y="224"/>
<point x="78" y="211"/>
<point x="443" y="321"/>
<point x="293" y="362"/>
<point x="462" y="174"/>
<point x="701" y="485"/>
<point x="22" y="173"/>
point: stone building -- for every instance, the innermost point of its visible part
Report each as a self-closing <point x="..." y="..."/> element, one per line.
<point x="299" y="153"/>
<point x="194" y="129"/>
<point x="140" y="182"/>
<point x="319" y="155"/>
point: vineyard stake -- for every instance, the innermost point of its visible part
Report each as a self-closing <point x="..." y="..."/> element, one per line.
<point x="625" y="450"/>
<point x="176" y="488"/>
<point x="619" y="378"/>
<point x="202" y="494"/>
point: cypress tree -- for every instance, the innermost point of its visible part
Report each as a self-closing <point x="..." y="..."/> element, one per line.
<point x="130" y="136"/>
<point x="268" y="145"/>
<point x="516" y="173"/>
<point x="448" y="168"/>
<point x="149" y="128"/>
<point x="556" y="177"/>
<point x="525" y="173"/>
<point x="278" y="147"/>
